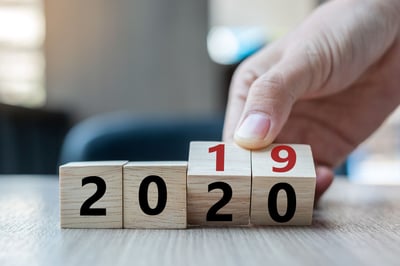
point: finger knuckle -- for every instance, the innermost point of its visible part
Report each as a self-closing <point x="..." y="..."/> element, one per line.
<point x="319" y="61"/>
<point x="273" y="86"/>
<point x="245" y="74"/>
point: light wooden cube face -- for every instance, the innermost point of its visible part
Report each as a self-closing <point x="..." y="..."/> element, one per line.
<point x="283" y="185"/>
<point x="91" y="194"/>
<point x="218" y="184"/>
<point x="155" y="195"/>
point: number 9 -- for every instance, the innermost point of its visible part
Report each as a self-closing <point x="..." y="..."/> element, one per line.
<point x="290" y="159"/>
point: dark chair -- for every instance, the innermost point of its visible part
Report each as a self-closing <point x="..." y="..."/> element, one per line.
<point x="31" y="139"/>
<point x="126" y="137"/>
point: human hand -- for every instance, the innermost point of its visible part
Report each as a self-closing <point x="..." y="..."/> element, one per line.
<point x="330" y="83"/>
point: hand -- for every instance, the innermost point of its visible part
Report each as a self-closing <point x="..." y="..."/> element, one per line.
<point x="330" y="83"/>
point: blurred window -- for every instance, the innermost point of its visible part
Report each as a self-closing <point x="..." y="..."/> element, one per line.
<point x="377" y="160"/>
<point x="21" y="55"/>
<point x="240" y="28"/>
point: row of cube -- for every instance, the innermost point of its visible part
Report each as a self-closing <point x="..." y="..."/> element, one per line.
<point x="221" y="185"/>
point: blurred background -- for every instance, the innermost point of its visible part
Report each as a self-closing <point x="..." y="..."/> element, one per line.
<point x="106" y="71"/>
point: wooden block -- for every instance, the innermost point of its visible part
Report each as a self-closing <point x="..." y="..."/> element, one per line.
<point x="91" y="194"/>
<point x="155" y="195"/>
<point x="218" y="183"/>
<point x="283" y="185"/>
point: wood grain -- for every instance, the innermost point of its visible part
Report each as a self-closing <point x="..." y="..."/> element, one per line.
<point x="174" y="213"/>
<point x="301" y="178"/>
<point x="73" y="194"/>
<point x="202" y="172"/>
<point x="353" y="225"/>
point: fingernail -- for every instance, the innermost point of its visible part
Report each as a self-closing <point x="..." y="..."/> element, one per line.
<point x="254" y="127"/>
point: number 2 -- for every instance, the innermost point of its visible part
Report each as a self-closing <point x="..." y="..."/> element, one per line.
<point x="101" y="190"/>
<point x="212" y="214"/>
<point x="290" y="159"/>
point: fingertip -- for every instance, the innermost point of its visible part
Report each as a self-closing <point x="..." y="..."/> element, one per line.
<point x="251" y="144"/>
<point x="253" y="131"/>
<point x="227" y="138"/>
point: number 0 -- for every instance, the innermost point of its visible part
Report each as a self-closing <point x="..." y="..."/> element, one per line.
<point x="273" y="206"/>
<point x="143" y="195"/>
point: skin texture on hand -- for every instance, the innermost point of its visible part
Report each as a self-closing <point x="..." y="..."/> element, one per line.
<point x="330" y="83"/>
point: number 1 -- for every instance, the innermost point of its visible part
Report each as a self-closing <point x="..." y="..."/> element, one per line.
<point x="220" y="156"/>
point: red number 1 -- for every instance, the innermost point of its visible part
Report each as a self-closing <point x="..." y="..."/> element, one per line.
<point x="220" y="157"/>
<point x="290" y="159"/>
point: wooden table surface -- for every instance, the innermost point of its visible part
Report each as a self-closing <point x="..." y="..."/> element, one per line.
<point x="353" y="225"/>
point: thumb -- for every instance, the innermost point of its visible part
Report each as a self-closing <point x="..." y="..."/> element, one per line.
<point x="325" y="55"/>
<point x="270" y="99"/>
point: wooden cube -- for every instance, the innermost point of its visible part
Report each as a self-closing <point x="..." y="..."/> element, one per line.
<point x="155" y="195"/>
<point x="283" y="185"/>
<point x="91" y="194"/>
<point x="218" y="184"/>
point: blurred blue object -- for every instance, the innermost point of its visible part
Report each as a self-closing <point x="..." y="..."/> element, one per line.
<point x="230" y="45"/>
<point x="126" y="137"/>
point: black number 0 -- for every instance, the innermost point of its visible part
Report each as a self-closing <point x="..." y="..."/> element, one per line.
<point x="212" y="214"/>
<point x="101" y="190"/>
<point x="143" y="195"/>
<point x="291" y="202"/>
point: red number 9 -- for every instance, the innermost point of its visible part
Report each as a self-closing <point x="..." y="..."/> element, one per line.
<point x="290" y="159"/>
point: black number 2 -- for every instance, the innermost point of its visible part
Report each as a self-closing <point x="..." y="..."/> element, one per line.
<point x="101" y="190"/>
<point x="212" y="214"/>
